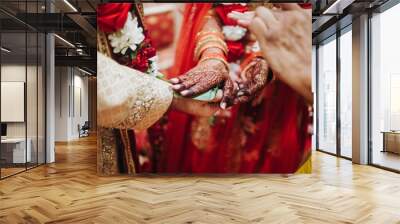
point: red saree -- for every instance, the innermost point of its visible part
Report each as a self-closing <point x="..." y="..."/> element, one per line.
<point x="271" y="137"/>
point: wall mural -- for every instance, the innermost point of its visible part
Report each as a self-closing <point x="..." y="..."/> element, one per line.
<point x="193" y="88"/>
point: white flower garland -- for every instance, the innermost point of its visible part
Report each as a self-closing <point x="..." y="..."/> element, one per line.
<point x="234" y="33"/>
<point x="129" y="36"/>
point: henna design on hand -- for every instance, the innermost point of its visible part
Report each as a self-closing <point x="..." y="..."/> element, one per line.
<point x="201" y="78"/>
<point x="255" y="76"/>
<point x="229" y="93"/>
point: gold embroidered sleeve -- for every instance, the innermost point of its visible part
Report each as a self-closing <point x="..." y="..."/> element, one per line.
<point x="128" y="98"/>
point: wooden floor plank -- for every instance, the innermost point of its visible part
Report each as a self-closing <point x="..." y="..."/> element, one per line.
<point x="69" y="191"/>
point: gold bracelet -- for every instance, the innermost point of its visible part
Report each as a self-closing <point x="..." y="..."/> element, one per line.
<point x="210" y="37"/>
<point x="205" y="40"/>
<point x="215" y="42"/>
<point x="209" y="32"/>
<point x="198" y="52"/>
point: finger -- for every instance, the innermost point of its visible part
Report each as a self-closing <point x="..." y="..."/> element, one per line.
<point x="243" y="92"/>
<point x="234" y="73"/>
<point x="289" y="6"/>
<point x="258" y="83"/>
<point x="250" y="14"/>
<point x="178" y="87"/>
<point x="235" y="15"/>
<point x="177" y="81"/>
<point x="184" y="85"/>
<point x="245" y="17"/>
<point x="260" y="31"/>
<point x="257" y="75"/>
<point x="243" y="76"/>
<point x="228" y="95"/>
<point x="246" y="70"/>
<point x="190" y="81"/>
<point x="218" y="96"/>
<point x="182" y="78"/>
<point x="242" y="99"/>
<point x="174" y="80"/>
<point x="242" y="86"/>
<point x="202" y="84"/>
<point x="266" y="16"/>
<point x="244" y="23"/>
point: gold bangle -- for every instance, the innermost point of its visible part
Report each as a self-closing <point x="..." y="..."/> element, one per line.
<point x="205" y="43"/>
<point x="209" y="32"/>
<point x="200" y="45"/>
<point x="199" y="51"/>
<point x="210" y="37"/>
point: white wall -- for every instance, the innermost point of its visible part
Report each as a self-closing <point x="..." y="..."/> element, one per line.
<point x="12" y="73"/>
<point x="71" y="102"/>
<point x="33" y="127"/>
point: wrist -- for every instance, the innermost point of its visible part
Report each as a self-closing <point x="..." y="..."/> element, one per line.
<point x="210" y="40"/>
<point x="215" y="61"/>
<point x="212" y="50"/>
<point x="214" y="56"/>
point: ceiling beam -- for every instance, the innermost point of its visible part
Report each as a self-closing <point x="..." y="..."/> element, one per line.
<point x="86" y="26"/>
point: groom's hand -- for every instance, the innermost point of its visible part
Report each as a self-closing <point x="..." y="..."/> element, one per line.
<point x="205" y="76"/>
<point x="198" y="108"/>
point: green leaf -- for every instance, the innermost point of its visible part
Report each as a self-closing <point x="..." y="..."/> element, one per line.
<point x="207" y="96"/>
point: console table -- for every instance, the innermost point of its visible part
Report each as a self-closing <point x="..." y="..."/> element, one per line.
<point x="391" y="141"/>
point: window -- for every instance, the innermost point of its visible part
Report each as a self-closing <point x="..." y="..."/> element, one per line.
<point x="346" y="93"/>
<point x="314" y="79"/>
<point x="327" y="96"/>
<point x="22" y="77"/>
<point x="385" y="89"/>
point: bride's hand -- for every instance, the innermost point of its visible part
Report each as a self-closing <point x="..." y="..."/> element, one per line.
<point x="205" y="76"/>
<point x="231" y="87"/>
<point x="254" y="78"/>
<point x="197" y="108"/>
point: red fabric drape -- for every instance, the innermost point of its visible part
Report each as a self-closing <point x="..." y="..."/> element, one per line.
<point x="112" y="16"/>
<point x="281" y="140"/>
<point x="178" y="123"/>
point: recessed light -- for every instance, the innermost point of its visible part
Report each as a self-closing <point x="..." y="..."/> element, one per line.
<point x="64" y="40"/>
<point x="70" y="5"/>
<point x="84" y="71"/>
<point x="5" y="50"/>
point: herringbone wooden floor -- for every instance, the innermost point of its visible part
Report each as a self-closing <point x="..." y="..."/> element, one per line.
<point x="69" y="191"/>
